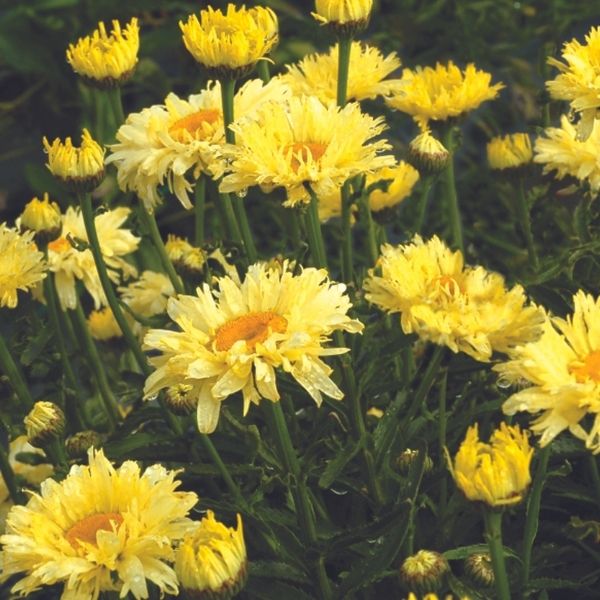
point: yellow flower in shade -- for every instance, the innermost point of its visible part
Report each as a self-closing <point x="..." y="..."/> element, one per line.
<point x="316" y="74"/>
<point x="427" y="153"/>
<point x="509" y="152"/>
<point x="563" y="370"/>
<point x="230" y="44"/>
<point x="26" y="474"/>
<point x="496" y="473"/>
<point x="42" y="217"/>
<point x="102" y="325"/>
<point x="187" y="259"/>
<point x="79" y="168"/>
<point x="467" y="309"/>
<point x="180" y="140"/>
<point x="559" y="150"/>
<point x="106" y="60"/>
<point x="211" y="560"/>
<point x="305" y="142"/>
<point x="344" y="16"/>
<point x="402" y="180"/>
<point x="100" y="529"/>
<point x="424" y="571"/>
<point x="22" y="266"/>
<point x="442" y="92"/>
<point x="579" y="79"/>
<point x="69" y="263"/>
<point x="413" y="596"/>
<point x="148" y="295"/>
<point x="44" y="423"/>
<point x="235" y="338"/>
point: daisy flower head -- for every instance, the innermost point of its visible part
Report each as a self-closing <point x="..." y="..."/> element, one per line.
<point x="304" y="141"/>
<point x="562" y="369"/>
<point x="442" y="92"/>
<point x="42" y="217"/>
<point x="510" y="151"/>
<point x="229" y="44"/>
<point x="343" y="16"/>
<point x="316" y="74"/>
<point x="178" y="141"/>
<point x="402" y="179"/>
<point x="579" y="80"/>
<point x="235" y="337"/>
<point x="106" y="60"/>
<point x="100" y="529"/>
<point x="468" y="309"/>
<point x="22" y="265"/>
<point x="560" y="150"/>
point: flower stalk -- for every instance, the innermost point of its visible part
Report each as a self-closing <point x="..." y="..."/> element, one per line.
<point x="313" y="229"/>
<point x="199" y="210"/>
<point x="9" y="477"/>
<point x="450" y="192"/>
<point x="12" y="371"/>
<point x="493" y="528"/>
<point x="524" y="218"/>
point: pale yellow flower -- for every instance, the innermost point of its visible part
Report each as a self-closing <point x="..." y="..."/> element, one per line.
<point x="442" y="92"/>
<point x="22" y="266"/>
<point x="102" y="325"/>
<point x="579" y="80"/>
<point x="100" y="529"/>
<point x="496" y="473"/>
<point x="42" y="217"/>
<point x="563" y="370"/>
<point x="403" y="178"/>
<point x="211" y="559"/>
<point x="79" y="168"/>
<point x="235" y="338"/>
<point x="185" y="257"/>
<point x="559" y="150"/>
<point x="305" y="142"/>
<point x="148" y="295"/>
<point x="177" y="142"/>
<point x="354" y="14"/>
<point x="230" y="43"/>
<point x="106" y="59"/>
<point x="69" y="264"/>
<point x="316" y="74"/>
<point x="467" y="309"/>
<point x="510" y="151"/>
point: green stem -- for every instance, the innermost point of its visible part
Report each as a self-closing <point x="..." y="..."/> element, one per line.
<point x="595" y="475"/>
<point x="525" y="224"/>
<point x="262" y="68"/>
<point x="109" y="401"/>
<point x="442" y="423"/>
<point x="493" y="528"/>
<point x="9" y="478"/>
<point x="199" y="210"/>
<point x="426" y="382"/>
<point x="247" y="237"/>
<point x="423" y="203"/>
<point x="533" y="514"/>
<point x="450" y="190"/>
<point x="313" y="229"/>
<point x="347" y="257"/>
<point x="12" y="371"/>
<point x="344" y="47"/>
<point x="152" y="227"/>
<point x="90" y="227"/>
<point x="371" y="230"/>
<point x="74" y="408"/>
<point x="116" y="104"/>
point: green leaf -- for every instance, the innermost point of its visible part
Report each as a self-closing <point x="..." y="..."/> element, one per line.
<point x="336" y="466"/>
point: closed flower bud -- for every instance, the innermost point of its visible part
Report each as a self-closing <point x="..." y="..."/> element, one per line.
<point x="187" y="259"/>
<point x="408" y="457"/>
<point x="211" y="560"/>
<point x="480" y="570"/>
<point x="78" y="444"/>
<point x="344" y="17"/>
<point x="80" y="169"/>
<point x="424" y="572"/>
<point x="44" y="423"/>
<point x="510" y="152"/>
<point x="179" y="400"/>
<point x="103" y="326"/>
<point x="43" y="218"/>
<point x="428" y="154"/>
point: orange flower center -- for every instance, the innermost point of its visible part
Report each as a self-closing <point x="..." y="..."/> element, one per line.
<point x="253" y="328"/>
<point x="194" y="123"/>
<point x="448" y="283"/>
<point x="86" y="529"/>
<point x="588" y="368"/>
<point x="301" y="151"/>
<point x="60" y="244"/>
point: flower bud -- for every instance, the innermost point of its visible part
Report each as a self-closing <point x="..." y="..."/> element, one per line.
<point x="510" y="152"/>
<point x="408" y="457"/>
<point x="43" y="218"/>
<point x="480" y="570"/>
<point x="424" y="572"/>
<point x="103" y="326"/>
<point x="428" y="154"/>
<point x="78" y="444"/>
<point x="44" y="423"/>
<point x="344" y="17"/>
<point x="187" y="259"/>
<point x="180" y="400"/>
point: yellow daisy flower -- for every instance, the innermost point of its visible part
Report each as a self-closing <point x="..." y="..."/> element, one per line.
<point x="79" y="168"/>
<point x="345" y="16"/>
<point x="148" y="295"/>
<point x="170" y="142"/>
<point x="442" y="92"/>
<point x="579" y="79"/>
<point x="100" y="529"/>
<point x="316" y="74"/>
<point x="559" y="150"/>
<point x="563" y="370"/>
<point x="236" y="338"/>
<point x="403" y="179"/>
<point x="186" y="258"/>
<point x="510" y="151"/>
<point x="467" y="309"/>
<point x="42" y="217"/>
<point x="106" y="60"/>
<point x="496" y="473"/>
<point x="305" y="142"/>
<point x="230" y="44"/>
<point x="68" y="263"/>
<point x="211" y="559"/>
<point x="22" y="266"/>
<point x="102" y="325"/>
